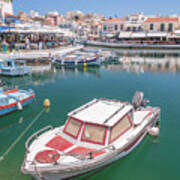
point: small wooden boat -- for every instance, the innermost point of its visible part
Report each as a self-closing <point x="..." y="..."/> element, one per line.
<point x="79" y="58"/>
<point x="9" y="68"/>
<point x="15" y="99"/>
<point x="95" y="135"/>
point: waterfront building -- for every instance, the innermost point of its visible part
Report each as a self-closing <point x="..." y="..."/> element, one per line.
<point x="33" y="14"/>
<point x="23" y="17"/>
<point x="161" y="24"/>
<point x="74" y="15"/>
<point x="6" y="6"/>
<point x="10" y="19"/>
<point x="134" y="22"/>
<point x="53" y="18"/>
<point x="130" y="23"/>
<point x="113" y="25"/>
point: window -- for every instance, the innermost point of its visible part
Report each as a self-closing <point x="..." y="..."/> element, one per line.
<point x="162" y="27"/>
<point x="140" y="29"/>
<point x="128" y="29"/>
<point x="134" y="29"/>
<point x="73" y="127"/>
<point x="105" y="28"/>
<point x="116" y="27"/>
<point x="94" y="134"/>
<point x="170" y="27"/>
<point x="119" y="128"/>
<point x="122" y="27"/>
<point x="151" y="27"/>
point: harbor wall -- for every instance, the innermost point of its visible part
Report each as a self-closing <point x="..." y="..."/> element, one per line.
<point x="132" y="46"/>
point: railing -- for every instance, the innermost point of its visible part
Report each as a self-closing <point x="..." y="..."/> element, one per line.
<point x="35" y="135"/>
<point x="82" y="155"/>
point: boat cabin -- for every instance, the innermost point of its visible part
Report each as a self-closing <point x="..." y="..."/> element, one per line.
<point x="99" y="121"/>
<point x="10" y="63"/>
<point x="7" y="63"/>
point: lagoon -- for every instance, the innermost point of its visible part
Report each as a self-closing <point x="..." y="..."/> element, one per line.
<point x="154" y="159"/>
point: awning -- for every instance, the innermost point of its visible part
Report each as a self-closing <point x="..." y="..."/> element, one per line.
<point x="5" y="28"/>
<point x="138" y="35"/>
<point x="157" y="34"/>
<point x="125" y="34"/>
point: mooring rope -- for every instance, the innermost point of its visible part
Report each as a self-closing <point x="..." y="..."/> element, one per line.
<point x="21" y="135"/>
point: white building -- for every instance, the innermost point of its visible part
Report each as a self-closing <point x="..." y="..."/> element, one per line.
<point x="113" y="25"/>
<point x="33" y="14"/>
<point x="134" y="22"/>
<point x="6" y="6"/>
<point x="74" y="15"/>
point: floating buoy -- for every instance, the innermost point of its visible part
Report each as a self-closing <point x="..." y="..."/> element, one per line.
<point x="46" y="103"/>
<point x="54" y="70"/>
<point x="153" y="131"/>
<point x="85" y="64"/>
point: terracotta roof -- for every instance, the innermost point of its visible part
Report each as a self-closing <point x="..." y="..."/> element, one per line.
<point x="162" y="19"/>
<point x="115" y="20"/>
<point x="10" y="15"/>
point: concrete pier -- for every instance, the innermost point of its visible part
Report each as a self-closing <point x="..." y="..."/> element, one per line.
<point x="35" y="54"/>
<point x="133" y="46"/>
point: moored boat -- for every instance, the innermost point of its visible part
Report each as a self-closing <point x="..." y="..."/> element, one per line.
<point x="79" y="58"/>
<point x="9" y="68"/>
<point x="15" y="99"/>
<point x="95" y="135"/>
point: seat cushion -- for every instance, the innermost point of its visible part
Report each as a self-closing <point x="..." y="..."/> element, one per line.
<point x="59" y="143"/>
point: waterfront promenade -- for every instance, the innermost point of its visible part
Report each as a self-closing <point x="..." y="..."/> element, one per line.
<point x="35" y="54"/>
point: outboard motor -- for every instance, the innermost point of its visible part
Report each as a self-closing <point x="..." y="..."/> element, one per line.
<point x="138" y="100"/>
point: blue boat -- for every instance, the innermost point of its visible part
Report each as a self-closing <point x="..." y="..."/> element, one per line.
<point x="10" y="68"/>
<point x="15" y="99"/>
<point x="79" y="59"/>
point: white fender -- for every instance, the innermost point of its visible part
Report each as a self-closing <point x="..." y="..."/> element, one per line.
<point x="153" y="131"/>
<point x="19" y="106"/>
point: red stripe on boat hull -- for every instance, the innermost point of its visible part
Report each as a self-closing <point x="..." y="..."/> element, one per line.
<point x="14" y="104"/>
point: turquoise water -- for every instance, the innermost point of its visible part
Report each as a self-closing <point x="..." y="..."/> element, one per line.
<point x="154" y="159"/>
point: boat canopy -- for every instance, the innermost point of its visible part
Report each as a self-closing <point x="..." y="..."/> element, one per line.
<point x="103" y="112"/>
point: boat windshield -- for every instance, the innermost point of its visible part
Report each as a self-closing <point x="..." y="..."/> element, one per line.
<point x="73" y="127"/>
<point x="94" y="134"/>
<point x="120" y="128"/>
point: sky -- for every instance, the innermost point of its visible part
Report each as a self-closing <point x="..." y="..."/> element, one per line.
<point x="105" y="7"/>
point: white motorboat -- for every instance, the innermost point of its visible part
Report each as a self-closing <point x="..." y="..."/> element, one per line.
<point x="95" y="135"/>
<point x="10" y="68"/>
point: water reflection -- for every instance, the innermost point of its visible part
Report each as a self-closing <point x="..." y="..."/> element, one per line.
<point x="133" y="64"/>
<point x="43" y="76"/>
<point x="140" y="64"/>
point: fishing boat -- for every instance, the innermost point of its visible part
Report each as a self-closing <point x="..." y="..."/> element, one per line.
<point x="94" y="135"/>
<point x="10" y="68"/>
<point x="15" y="99"/>
<point x="79" y="59"/>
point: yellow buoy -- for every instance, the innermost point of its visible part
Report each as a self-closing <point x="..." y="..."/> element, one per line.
<point x="85" y="64"/>
<point x="46" y="103"/>
<point x="54" y="70"/>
